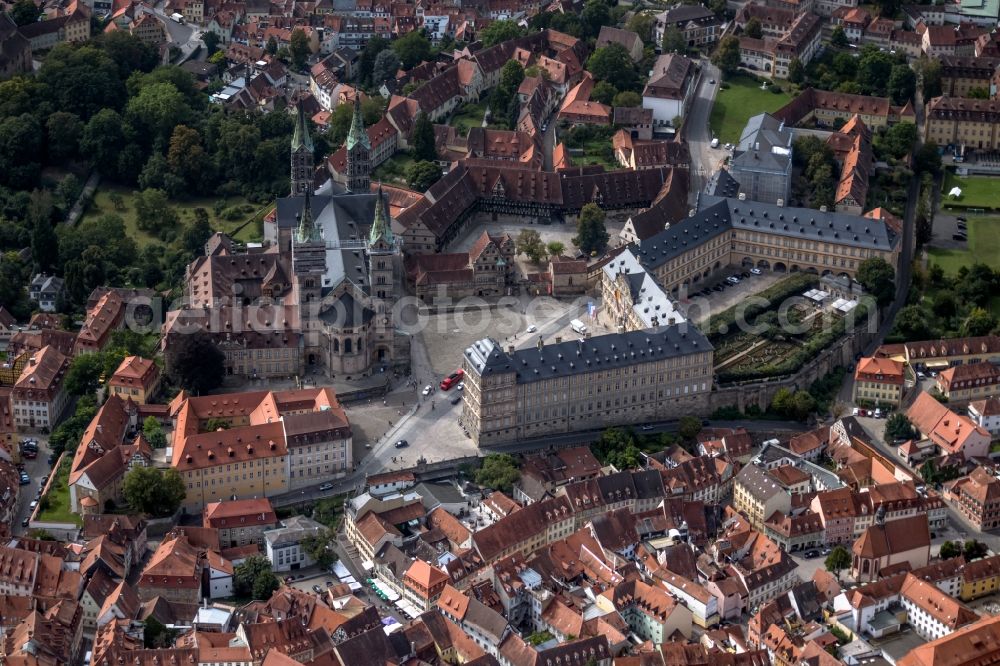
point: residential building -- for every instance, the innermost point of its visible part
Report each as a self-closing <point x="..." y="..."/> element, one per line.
<point x="977" y="497"/>
<point x="758" y="496"/>
<point x="773" y="55"/>
<point x="103" y="319"/>
<point x="670" y="89"/>
<point x="963" y="121"/>
<point x="38" y="398"/>
<point x="962" y="74"/>
<point x="423" y="584"/>
<point x="47" y="291"/>
<point x="887" y="545"/>
<point x="975" y="643"/>
<point x="826" y="107"/>
<point x="762" y="160"/>
<point x="879" y="382"/>
<point x="940" y="354"/>
<point x="15" y="49"/>
<point x="71" y="28"/>
<point x="503" y="397"/>
<point x="964" y="383"/>
<point x="649" y="612"/>
<point x="932" y="613"/>
<point x="986" y="414"/>
<point x="175" y="571"/>
<point x="628" y="40"/>
<point x="699" y="25"/>
<point x="240" y="522"/>
<point x="136" y="379"/>
<point x="838" y="509"/>
<point x="952" y="433"/>
<point x="290" y="439"/>
<point x="283" y="545"/>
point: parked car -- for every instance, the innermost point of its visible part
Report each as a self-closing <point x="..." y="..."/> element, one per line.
<point x="745" y="274"/>
<point x="811" y="554"/>
<point x="402" y="444"/>
<point x="25" y="480"/>
<point x="878" y="413"/>
<point x="961" y="219"/>
<point x="646" y="427"/>
<point x="326" y="486"/>
<point x="24" y="523"/>
<point x="33" y="505"/>
<point x="711" y="82"/>
<point x="717" y="287"/>
<point x="755" y="271"/>
<point x="428" y="389"/>
<point x="921" y="375"/>
<point x="457" y="398"/>
<point x="959" y="237"/>
<point x="317" y="589"/>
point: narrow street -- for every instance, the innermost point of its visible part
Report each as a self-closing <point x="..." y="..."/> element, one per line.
<point x="698" y="134"/>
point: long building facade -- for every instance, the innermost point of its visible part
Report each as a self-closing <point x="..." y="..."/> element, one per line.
<point x="622" y="378"/>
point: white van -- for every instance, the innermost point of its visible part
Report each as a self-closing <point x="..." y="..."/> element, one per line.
<point x="715" y="143"/>
<point x="578" y="326"/>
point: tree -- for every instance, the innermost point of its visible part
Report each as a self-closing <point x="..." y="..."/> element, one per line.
<point x="618" y="447"/>
<point x="979" y="322"/>
<point x="195" y="363"/>
<point x="628" y="99"/>
<point x="753" y="28"/>
<point x="898" y="428"/>
<point x="874" y="70"/>
<point x="911" y="324"/>
<point x="421" y="175"/>
<point x="927" y="159"/>
<point x="877" y="276"/>
<point x="156" y="110"/>
<point x="613" y="64"/>
<point x="44" y="245"/>
<point x="197" y="233"/>
<point x="319" y="547"/>
<point x="902" y="84"/>
<point x="555" y="249"/>
<point x="499" y="471"/>
<point x="385" y="67"/>
<point x="298" y="48"/>
<point x="214" y="424"/>
<point x="727" y="55"/>
<point x="153" y="211"/>
<point x="838" y="560"/>
<point x="673" y="40"/>
<point x="366" y="61"/>
<point x="930" y="75"/>
<point x="155" y="635"/>
<point x="529" y="243"/>
<point x="499" y="31"/>
<point x="271" y="48"/>
<point x="688" y="427"/>
<point x="24" y="12"/>
<point x="423" y="139"/>
<point x="596" y="13"/>
<point x="839" y="38"/>
<point x="974" y="549"/>
<point x="412" y="49"/>
<point x="642" y="24"/>
<point x="211" y="42"/>
<point x="796" y="71"/>
<point x="64" y="131"/>
<point x="153" y="432"/>
<point x="150" y="490"/>
<point x="898" y="140"/>
<point x="604" y="93"/>
<point x="254" y="578"/>
<point x="949" y="550"/>
<point x="591" y="234"/>
<point x="186" y="157"/>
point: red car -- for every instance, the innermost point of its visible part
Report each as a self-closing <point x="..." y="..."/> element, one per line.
<point x="452" y="379"/>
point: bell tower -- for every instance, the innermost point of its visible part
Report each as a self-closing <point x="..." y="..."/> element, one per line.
<point x="308" y="255"/>
<point x="359" y="153"/>
<point x="302" y="155"/>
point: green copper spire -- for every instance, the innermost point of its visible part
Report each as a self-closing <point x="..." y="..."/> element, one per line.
<point x="381" y="228"/>
<point x="307" y="232"/>
<point x="300" y="137"/>
<point x="358" y="135"/>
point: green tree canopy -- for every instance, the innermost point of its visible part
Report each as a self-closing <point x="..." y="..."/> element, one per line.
<point x="195" y="363"/>
<point x="298" y="48"/>
<point x="423" y="138"/>
<point x="838" y="560"/>
<point x="499" y="471"/>
<point x="596" y="13"/>
<point x="898" y="428"/>
<point x="839" y="38"/>
<point x="153" y="432"/>
<point x="753" y="28"/>
<point x="727" y="55"/>
<point x="878" y="278"/>
<point x="591" y="233"/>
<point x="529" y="243"/>
<point x="673" y="40"/>
<point x="152" y="491"/>
<point x="385" y="67"/>
<point x="254" y="578"/>
<point x="499" y="31"/>
<point x="24" y="12"/>
<point x="612" y="63"/>
<point x="421" y="175"/>
<point x="949" y="550"/>
<point x="412" y="48"/>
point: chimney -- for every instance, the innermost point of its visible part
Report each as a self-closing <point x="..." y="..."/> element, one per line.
<point x="781" y="203"/>
<point x="822" y="209"/>
<point x="742" y="196"/>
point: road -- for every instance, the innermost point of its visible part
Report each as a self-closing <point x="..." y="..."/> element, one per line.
<point x="184" y="36"/>
<point x="704" y="158"/>
<point x="36" y="469"/>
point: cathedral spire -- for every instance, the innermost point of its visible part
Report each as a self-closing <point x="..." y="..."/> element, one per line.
<point x="357" y="135"/>
<point x="381" y="227"/>
<point x="301" y="137"/>
<point x="307" y="232"/>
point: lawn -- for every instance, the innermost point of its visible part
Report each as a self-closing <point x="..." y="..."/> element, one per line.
<point x="983" y="247"/>
<point x="470" y="115"/>
<point x="737" y="103"/>
<point x="56" y="501"/>
<point x="393" y="170"/>
<point x="977" y="191"/>
<point x="232" y="213"/>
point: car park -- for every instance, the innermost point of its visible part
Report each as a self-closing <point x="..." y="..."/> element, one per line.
<point x="402" y="444"/>
<point x="745" y="274"/>
<point x="961" y="219"/>
<point x="811" y="554"/>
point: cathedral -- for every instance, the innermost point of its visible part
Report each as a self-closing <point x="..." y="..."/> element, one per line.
<point x="319" y="295"/>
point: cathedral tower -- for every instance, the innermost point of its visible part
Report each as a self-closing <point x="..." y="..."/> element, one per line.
<point x="359" y="153"/>
<point x="302" y="155"/>
<point x="308" y="255"/>
<point x="383" y="262"/>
